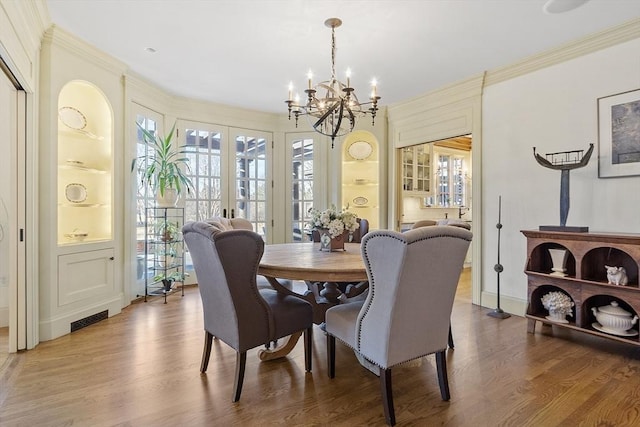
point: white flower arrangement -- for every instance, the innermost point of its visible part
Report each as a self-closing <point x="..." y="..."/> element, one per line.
<point x="333" y="220"/>
<point x="558" y="302"/>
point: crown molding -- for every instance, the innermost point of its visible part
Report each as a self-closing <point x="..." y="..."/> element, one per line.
<point x="589" y="44"/>
<point x="56" y="36"/>
<point x="459" y="91"/>
<point x="150" y="95"/>
<point x="143" y="92"/>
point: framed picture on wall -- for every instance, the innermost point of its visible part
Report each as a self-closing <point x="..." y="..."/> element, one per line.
<point x="619" y="135"/>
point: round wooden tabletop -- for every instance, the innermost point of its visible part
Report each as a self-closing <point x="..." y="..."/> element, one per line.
<point x="305" y="261"/>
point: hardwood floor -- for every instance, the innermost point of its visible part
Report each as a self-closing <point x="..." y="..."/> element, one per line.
<point x="141" y="368"/>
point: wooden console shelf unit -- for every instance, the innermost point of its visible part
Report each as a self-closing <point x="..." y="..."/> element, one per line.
<point x="586" y="280"/>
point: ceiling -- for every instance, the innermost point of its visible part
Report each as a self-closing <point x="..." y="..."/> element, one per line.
<point x="245" y="52"/>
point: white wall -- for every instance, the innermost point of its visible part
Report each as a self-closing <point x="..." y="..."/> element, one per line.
<point x="553" y="109"/>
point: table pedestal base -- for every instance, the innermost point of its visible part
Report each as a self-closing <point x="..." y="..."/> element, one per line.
<point x="322" y="296"/>
<point x="281" y="350"/>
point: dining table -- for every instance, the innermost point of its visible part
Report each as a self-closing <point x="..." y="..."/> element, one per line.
<point x="331" y="278"/>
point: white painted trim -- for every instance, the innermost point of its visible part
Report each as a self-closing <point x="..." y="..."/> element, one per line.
<point x="453" y="111"/>
<point x="592" y="43"/>
<point x="515" y="306"/>
<point x="58" y="326"/>
<point x="71" y="44"/>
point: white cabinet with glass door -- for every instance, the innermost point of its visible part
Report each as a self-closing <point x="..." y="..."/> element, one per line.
<point x="415" y="166"/>
<point x="450" y="179"/>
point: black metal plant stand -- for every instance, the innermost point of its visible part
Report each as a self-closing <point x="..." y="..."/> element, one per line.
<point x="498" y="312"/>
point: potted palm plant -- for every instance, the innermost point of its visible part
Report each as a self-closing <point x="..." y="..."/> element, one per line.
<point x="164" y="168"/>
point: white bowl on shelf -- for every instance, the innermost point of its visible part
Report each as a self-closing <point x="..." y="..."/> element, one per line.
<point x="77" y="235"/>
<point x="614" y="318"/>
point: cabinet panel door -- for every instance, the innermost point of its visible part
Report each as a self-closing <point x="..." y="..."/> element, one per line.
<point x="85" y="275"/>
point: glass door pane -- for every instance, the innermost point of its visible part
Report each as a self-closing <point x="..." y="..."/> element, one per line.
<point x="144" y="198"/>
<point x="302" y="187"/>
<point x="251" y="168"/>
<point x="205" y="154"/>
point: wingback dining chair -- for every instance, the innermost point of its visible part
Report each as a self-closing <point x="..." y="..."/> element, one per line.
<point x="230" y="223"/>
<point x="429" y="223"/>
<point x="412" y="284"/>
<point x="235" y="310"/>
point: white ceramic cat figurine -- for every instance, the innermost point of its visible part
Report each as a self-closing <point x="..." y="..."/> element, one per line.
<point x="616" y="275"/>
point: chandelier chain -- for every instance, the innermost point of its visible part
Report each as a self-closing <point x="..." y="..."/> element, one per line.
<point x="333" y="53"/>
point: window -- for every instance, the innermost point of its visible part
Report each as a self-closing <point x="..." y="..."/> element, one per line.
<point x="450" y="188"/>
<point x="144" y="197"/>
<point x="205" y="159"/>
<point x="251" y="181"/>
<point x="229" y="170"/>
<point x="302" y="187"/>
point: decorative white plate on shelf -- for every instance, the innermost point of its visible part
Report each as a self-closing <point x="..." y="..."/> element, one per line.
<point x="627" y="333"/>
<point x="77" y="235"/>
<point x="76" y="193"/>
<point x="72" y="118"/>
<point x="360" y="201"/>
<point x="75" y="163"/>
<point x="360" y="150"/>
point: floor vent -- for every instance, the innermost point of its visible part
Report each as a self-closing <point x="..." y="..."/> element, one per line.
<point x="90" y="320"/>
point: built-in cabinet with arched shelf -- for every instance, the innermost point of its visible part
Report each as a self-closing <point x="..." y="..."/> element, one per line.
<point x="80" y="187"/>
<point x="85" y="164"/>
<point x="586" y="277"/>
<point x="361" y="177"/>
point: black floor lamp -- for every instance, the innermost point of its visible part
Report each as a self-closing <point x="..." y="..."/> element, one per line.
<point x="498" y="312"/>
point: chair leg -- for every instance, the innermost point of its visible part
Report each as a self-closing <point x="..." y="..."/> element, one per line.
<point x="387" y="396"/>
<point x="450" y="337"/>
<point x="206" y="352"/>
<point x="308" y="348"/>
<point x="331" y="356"/>
<point x="241" y="360"/>
<point x="441" y="364"/>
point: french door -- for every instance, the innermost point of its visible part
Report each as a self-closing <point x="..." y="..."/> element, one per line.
<point x="231" y="170"/>
<point x="306" y="183"/>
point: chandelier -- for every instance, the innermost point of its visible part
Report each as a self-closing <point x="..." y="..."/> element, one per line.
<point x="332" y="106"/>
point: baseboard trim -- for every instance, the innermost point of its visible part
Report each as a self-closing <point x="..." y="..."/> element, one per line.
<point x="4" y="317"/>
<point x="510" y="305"/>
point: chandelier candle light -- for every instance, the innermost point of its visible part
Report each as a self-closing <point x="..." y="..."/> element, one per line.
<point x="332" y="106"/>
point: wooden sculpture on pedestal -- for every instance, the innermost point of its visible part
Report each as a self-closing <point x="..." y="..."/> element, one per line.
<point x="564" y="161"/>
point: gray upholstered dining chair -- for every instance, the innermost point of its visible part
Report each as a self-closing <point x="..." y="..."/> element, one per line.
<point x="424" y="223"/>
<point x="230" y="223"/>
<point x="429" y="223"/>
<point x="413" y="278"/>
<point x="361" y="231"/>
<point x="235" y="310"/>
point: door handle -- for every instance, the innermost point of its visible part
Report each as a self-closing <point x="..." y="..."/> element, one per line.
<point x="233" y="215"/>
<point x="224" y="213"/>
